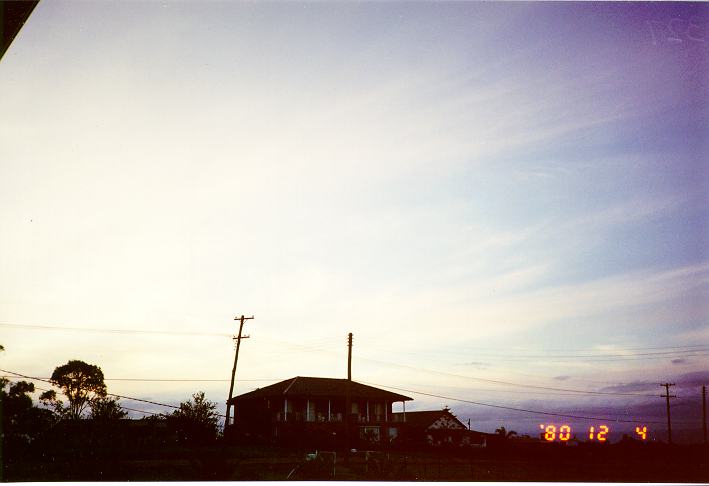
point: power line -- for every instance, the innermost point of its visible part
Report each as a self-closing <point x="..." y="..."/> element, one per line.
<point x="516" y="349"/>
<point x="498" y="382"/>
<point x="125" y="397"/>
<point x="550" y="358"/>
<point x="678" y="349"/>
<point x="574" y="356"/>
<point x="525" y="410"/>
<point x="188" y="379"/>
<point x="598" y="352"/>
<point x="178" y="380"/>
<point x="486" y="380"/>
<point x="669" y="350"/>
<point x="141" y="411"/>
<point x="297" y="347"/>
<point x="113" y="331"/>
<point x="311" y="348"/>
<point x="563" y="391"/>
<point x="597" y="358"/>
<point x="39" y="388"/>
<point x="531" y="392"/>
<point x="508" y="383"/>
<point x="503" y="407"/>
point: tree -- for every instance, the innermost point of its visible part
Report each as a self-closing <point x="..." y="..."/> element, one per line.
<point x="106" y="408"/>
<point x="502" y="432"/>
<point x="196" y="420"/>
<point x="81" y="383"/>
<point x="50" y="401"/>
<point x="22" y="422"/>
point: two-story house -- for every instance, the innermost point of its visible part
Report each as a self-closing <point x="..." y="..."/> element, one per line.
<point x="314" y="411"/>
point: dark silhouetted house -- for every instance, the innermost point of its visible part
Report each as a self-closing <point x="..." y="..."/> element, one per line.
<point x="435" y="428"/>
<point x="311" y="411"/>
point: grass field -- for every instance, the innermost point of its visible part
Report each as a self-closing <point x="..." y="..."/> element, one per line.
<point x="616" y="463"/>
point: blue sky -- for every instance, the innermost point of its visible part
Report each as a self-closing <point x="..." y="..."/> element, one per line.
<point x="508" y="191"/>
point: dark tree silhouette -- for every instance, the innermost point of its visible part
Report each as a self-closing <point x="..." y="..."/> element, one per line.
<point x="106" y="408"/>
<point x="22" y="422"/>
<point x="196" y="420"/>
<point x="502" y="432"/>
<point x="81" y="383"/>
<point x="49" y="399"/>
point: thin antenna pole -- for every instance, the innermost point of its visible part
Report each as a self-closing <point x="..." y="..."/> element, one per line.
<point x="348" y="399"/>
<point x="349" y="357"/>
<point x="704" y="412"/>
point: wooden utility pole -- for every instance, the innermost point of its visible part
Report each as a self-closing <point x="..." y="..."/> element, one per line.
<point x="669" y="422"/>
<point x="238" y="339"/>
<point x="348" y="398"/>
<point x="704" y="412"/>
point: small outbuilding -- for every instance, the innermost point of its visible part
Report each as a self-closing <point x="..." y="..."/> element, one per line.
<point x="435" y="428"/>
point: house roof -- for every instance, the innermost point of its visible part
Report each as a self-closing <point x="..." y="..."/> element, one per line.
<point x="308" y="386"/>
<point x="425" y="418"/>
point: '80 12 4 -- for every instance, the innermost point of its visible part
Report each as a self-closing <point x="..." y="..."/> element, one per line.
<point x="596" y="433"/>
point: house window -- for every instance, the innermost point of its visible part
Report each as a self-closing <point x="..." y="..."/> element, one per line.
<point x="379" y="411"/>
<point x="310" y="412"/>
<point x="370" y="434"/>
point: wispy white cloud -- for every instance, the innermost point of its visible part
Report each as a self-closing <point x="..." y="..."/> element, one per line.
<point x="375" y="182"/>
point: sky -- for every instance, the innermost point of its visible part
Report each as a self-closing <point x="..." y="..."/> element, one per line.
<point x="505" y="203"/>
